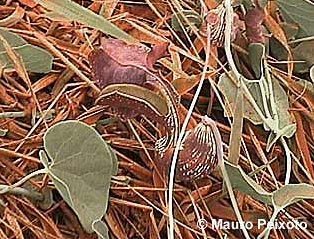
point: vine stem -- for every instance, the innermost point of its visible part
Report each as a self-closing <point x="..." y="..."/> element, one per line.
<point x="239" y="82"/>
<point x="178" y="144"/>
<point x="23" y="180"/>
<point x="6" y="115"/>
<point x="23" y="192"/>
<point x="288" y="160"/>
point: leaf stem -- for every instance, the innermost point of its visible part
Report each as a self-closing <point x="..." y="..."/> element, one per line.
<point x="227" y="44"/>
<point x="6" y="115"/>
<point x="288" y="160"/>
<point x="8" y="188"/>
<point x="23" y="192"/>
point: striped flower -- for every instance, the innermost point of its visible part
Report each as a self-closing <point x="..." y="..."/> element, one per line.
<point x="198" y="156"/>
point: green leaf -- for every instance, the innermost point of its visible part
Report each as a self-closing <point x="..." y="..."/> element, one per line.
<point x="263" y="3"/>
<point x="284" y="197"/>
<point x="101" y="229"/>
<point x="44" y="158"/>
<point x="76" y="12"/>
<point x="228" y="87"/>
<point x="282" y="106"/>
<point x="307" y="85"/>
<point x="282" y="122"/>
<point x="256" y="53"/>
<point x="304" y="52"/>
<point x="14" y="39"/>
<point x="242" y="182"/>
<point x="290" y="29"/>
<point x="80" y="164"/>
<point x="287" y="131"/>
<point x="292" y="193"/>
<point x="247" y="4"/>
<point x="286" y="127"/>
<point x="54" y="16"/>
<point x="280" y="198"/>
<point x="35" y="59"/>
<point x="300" y="12"/>
<point x="48" y="201"/>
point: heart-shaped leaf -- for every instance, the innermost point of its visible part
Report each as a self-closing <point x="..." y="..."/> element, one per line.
<point x="281" y="121"/>
<point x="80" y="164"/>
<point x="36" y="59"/>
<point x="228" y="87"/>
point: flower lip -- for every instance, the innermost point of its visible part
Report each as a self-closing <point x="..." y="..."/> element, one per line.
<point x="198" y="155"/>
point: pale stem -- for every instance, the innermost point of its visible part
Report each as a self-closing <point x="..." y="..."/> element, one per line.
<point x="6" y="115"/>
<point x="228" y="32"/>
<point x="181" y="135"/>
<point x="23" y="192"/>
<point x="23" y="180"/>
<point x="288" y="160"/>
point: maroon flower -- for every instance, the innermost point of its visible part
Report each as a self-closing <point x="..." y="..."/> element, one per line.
<point x="198" y="153"/>
<point x="254" y="19"/>
<point x="216" y="19"/>
<point x="124" y="73"/>
<point x="198" y="157"/>
<point x="117" y="62"/>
